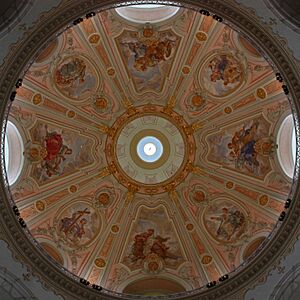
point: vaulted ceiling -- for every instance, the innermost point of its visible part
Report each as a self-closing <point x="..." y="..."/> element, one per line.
<point x="213" y="100"/>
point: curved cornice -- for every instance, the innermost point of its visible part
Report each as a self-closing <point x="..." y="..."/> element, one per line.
<point x="19" y="59"/>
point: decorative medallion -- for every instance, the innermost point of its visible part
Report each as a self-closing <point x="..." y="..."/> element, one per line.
<point x="229" y="185"/>
<point x="201" y="36"/>
<point x="153" y="263"/>
<point x="148" y="31"/>
<point x="225" y="221"/>
<point x="189" y="227"/>
<point x="101" y="104"/>
<point x="261" y="93"/>
<point x="206" y="259"/>
<point x="263" y="200"/>
<point x="37" y="99"/>
<point x="75" y="78"/>
<point x="115" y="228"/>
<point x="77" y="225"/>
<point x="153" y="148"/>
<point x="196" y="102"/>
<point x="40" y="205"/>
<point x="228" y="110"/>
<point x="71" y="114"/>
<point x="73" y="188"/>
<point x="100" y="263"/>
<point x="222" y="74"/>
<point x="104" y="197"/>
<point x="197" y="194"/>
<point x="94" y="38"/>
<point x="186" y="70"/>
<point x="111" y="72"/>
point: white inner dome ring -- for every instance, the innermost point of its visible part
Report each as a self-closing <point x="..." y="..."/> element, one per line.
<point x="149" y="149"/>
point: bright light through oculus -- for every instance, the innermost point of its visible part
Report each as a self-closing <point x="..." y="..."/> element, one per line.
<point x="149" y="149"/>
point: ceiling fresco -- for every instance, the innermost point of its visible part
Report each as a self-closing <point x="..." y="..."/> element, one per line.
<point x="205" y="205"/>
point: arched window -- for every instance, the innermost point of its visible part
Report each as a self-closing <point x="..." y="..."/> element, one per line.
<point x="13" y="152"/>
<point x="144" y="13"/>
<point x="286" y="141"/>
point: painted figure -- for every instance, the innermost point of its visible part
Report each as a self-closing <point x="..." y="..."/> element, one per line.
<point x="70" y="72"/>
<point x="75" y="78"/>
<point x="161" y="249"/>
<point x="225" y="68"/>
<point x="148" y="59"/>
<point x="223" y="74"/>
<point x="55" y="152"/>
<point x="152" y="238"/>
<point x="231" y="224"/>
<point x="149" y="53"/>
<point x="242" y="148"/>
<point x="73" y="227"/>
<point x="246" y="146"/>
<point x="146" y="244"/>
<point x="140" y="241"/>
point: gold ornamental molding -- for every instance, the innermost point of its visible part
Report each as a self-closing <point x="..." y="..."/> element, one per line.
<point x="156" y="111"/>
<point x="20" y="240"/>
